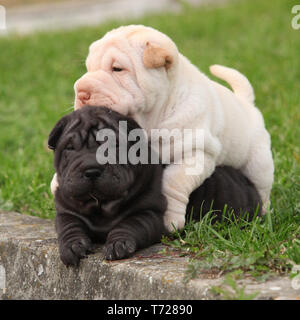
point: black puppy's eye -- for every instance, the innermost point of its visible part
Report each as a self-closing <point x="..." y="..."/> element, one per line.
<point x="116" y="69"/>
<point x="69" y="146"/>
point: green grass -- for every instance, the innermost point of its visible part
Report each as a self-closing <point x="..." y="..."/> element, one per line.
<point x="230" y="290"/>
<point x="37" y="74"/>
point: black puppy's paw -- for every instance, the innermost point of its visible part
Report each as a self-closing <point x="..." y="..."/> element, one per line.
<point x="119" y="249"/>
<point x="73" y="251"/>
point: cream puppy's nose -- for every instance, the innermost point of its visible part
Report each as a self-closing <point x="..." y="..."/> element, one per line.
<point x="96" y="89"/>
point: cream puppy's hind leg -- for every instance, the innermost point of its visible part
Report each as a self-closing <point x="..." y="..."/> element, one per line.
<point x="54" y="184"/>
<point x="260" y="168"/>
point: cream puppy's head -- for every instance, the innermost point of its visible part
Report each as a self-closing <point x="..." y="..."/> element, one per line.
<point x="131" y="70"/>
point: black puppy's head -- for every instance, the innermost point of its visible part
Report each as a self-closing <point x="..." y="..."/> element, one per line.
<point x="81" y="176"/>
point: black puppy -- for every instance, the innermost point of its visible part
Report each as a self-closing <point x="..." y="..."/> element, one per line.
<point x="122" y="204"/>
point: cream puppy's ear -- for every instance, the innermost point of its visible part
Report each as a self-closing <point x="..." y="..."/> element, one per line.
<point x="157" y="57"/>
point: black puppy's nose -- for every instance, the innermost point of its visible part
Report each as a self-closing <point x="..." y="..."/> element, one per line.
<point x="92" y="173"/>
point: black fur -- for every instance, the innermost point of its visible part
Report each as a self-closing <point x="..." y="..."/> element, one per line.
<point x="124" y="207"/>
<point x="121" y="205"/>
<point x="226" y="186"/>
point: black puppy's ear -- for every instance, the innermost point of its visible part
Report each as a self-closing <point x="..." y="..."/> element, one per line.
<point x="57" y="132"/>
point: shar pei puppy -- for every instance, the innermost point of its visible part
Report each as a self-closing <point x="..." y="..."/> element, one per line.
<point x="105" y="195"/>
<point x="139" y="72"/>
<point x="100" y="199"/>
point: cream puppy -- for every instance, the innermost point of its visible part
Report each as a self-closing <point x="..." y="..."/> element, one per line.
<point x="138" y="71"/>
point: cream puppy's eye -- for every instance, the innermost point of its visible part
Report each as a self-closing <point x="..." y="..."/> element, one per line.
<point x="117" y="69"/>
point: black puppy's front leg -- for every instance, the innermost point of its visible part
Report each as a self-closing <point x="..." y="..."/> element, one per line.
<point x="74" y="242"/>
<point x="135" y="232"/>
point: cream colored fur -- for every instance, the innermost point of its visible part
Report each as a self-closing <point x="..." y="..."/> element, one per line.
<point x="160" y="88"/>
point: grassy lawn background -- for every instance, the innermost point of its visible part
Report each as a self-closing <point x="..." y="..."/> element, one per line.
<point x="37" y="74"/>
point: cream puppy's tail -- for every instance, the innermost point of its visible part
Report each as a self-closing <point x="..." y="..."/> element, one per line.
<point x="239" y="83"/>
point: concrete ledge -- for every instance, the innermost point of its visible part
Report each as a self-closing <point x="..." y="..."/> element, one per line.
<point x="31" y="269"/>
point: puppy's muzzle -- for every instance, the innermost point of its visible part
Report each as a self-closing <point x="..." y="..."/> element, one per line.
<point x="92" y="173"/>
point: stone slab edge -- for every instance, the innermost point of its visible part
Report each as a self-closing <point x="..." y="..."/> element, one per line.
<point x="31" y="269"/>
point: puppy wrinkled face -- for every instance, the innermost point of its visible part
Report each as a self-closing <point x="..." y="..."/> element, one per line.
<point x="110" y="80"/>
<point x="80" y="175"/>
<point x="130" y="70"/>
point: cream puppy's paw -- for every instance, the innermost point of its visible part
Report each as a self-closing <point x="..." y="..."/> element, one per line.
<point x="174" y="221"/>
<point x="54" y="184"/>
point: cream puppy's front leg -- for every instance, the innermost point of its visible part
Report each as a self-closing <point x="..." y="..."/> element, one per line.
<point x="178" y="184"/>
<point x="54" y="184"/>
